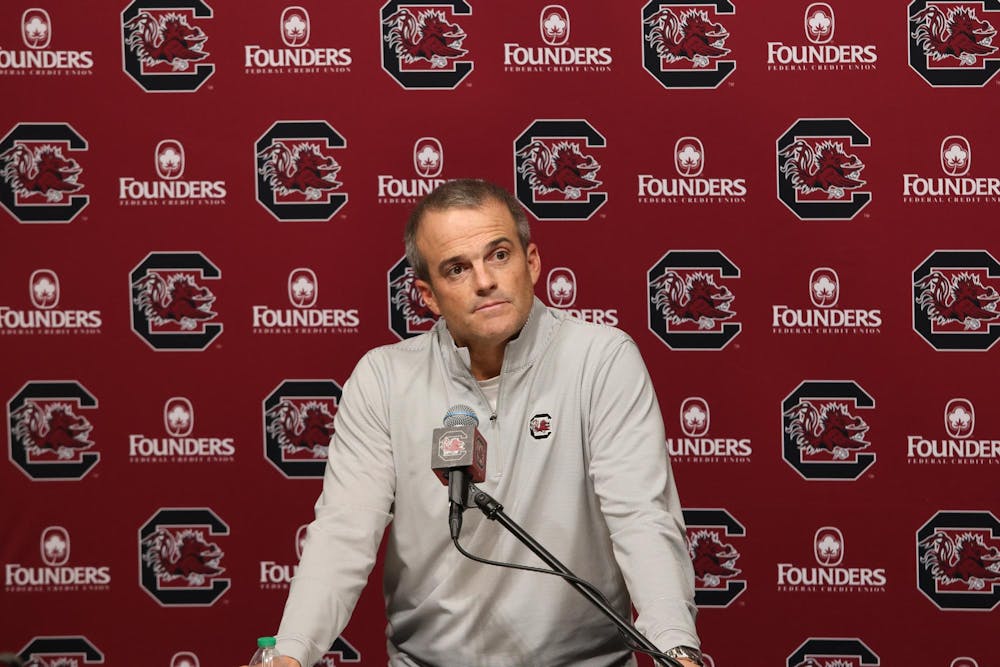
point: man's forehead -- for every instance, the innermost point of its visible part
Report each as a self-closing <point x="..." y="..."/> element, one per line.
<point x="457" y="222"/>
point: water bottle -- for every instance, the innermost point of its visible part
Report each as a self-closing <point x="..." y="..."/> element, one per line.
<point x="266" y="655"/>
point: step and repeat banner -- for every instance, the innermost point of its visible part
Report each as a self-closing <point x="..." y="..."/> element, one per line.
<point x="793" y="209"/>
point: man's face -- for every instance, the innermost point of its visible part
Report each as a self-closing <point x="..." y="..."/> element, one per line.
<point x="481" y="279"/>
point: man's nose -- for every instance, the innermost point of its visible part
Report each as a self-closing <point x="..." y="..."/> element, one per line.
<point x="485" y="280"/>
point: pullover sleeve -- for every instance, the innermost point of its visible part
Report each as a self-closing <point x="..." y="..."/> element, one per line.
<point x="631" y="474"/>
<point x="351" y="514"/>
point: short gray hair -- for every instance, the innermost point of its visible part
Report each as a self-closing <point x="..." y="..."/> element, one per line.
<point x="460" y="193"/>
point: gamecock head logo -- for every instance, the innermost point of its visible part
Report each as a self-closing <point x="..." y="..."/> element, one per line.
<point x="540" y="426"/>
<point x="409" y="314"/>
<point x="828" y="430"/>
<point x="560" y="167"/>
<point x="180" y="563"/>
<point x="825" y="652"/>
<point x="52" y="428"/>
<point x="422" y="44"/>
<point x="958" y="556"/>
<point x="50" y="436"/>
<point x="298" y="426"/>
<point x="713" y="559"/>
<point x="684" y="43"/>
<point x="951" y="43"/>
<point x="823" y="433"/>
<point x="297" y="171"/>
<point x="819" y="172"/>
<point x="40" y="174"/>
<point x="713" y="538"/>
<point x="164" y="49"/>
<point x="172" y="307"/>
<point x="556" y="171"/>
<point x="958" y="299"/>
<point x="690" y="303"/>
<point x="60" y="652"/>
<point x="955" y="300"/>
<point x="302" y="427"/>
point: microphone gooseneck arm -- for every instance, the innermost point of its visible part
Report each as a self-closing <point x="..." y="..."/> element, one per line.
<point x="494" y="512"/>
<point x="458" y="491"/>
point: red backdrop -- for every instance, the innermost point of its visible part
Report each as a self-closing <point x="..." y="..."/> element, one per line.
<point x="792" y="210"/>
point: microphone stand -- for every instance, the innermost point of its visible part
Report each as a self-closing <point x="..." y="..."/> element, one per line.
<point x="494" y="512"/>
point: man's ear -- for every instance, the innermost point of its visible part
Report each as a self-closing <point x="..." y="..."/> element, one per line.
<point x="534" y="262"/>
<point x="427" y="294"/>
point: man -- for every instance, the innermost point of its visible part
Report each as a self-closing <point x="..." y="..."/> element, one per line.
<point x="595" y="487"/>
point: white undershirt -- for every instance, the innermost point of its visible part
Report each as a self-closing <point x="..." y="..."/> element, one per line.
<point x="491" y="389"/>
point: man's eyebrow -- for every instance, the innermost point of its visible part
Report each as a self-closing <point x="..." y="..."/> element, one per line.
<point x="454" y="259"/>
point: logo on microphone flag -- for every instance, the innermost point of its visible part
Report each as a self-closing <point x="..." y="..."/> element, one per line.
<point x="451" y="445"/>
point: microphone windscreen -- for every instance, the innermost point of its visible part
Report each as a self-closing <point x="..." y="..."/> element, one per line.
<point x="461" y="415"/>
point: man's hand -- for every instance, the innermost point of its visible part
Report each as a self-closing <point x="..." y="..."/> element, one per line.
<point x="284" y="661"/>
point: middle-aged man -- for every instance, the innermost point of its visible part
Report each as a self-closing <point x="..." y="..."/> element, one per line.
<point x="596" y="490"/>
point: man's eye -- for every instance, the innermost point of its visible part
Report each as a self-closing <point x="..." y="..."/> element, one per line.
<point x="502" y="254"/>
<point x="454" y="270"/>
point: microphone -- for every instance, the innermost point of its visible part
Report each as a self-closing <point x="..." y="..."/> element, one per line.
<point x="458" y="456"/>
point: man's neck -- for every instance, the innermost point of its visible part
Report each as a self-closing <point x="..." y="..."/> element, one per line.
<point x="486" y="363"/>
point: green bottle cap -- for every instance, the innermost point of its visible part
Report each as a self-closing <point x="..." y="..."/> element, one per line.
<point x="265" y="642"/>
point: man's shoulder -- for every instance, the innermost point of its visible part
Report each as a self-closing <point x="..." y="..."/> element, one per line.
<point x="406" y="351"/>
<point x="580" y="332"/>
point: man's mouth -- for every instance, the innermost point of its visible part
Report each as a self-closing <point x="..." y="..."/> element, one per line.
<point x="489" y="305"/>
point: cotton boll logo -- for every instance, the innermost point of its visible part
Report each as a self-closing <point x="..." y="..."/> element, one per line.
<point x="555" y="25"/>
<point x="828" y="546"/>
<point x="695" y="417"/>
<point x="295" y="27"/>
<point x="689" y="156"/>
<point x="428" y="157"/>
<point x="824" y="287"/>
<point x="956" y="155"/>
<point x="303" y="288"/>
<point x="959" y="418"/>
<point x="819" y="23"/>
<point x="55" y="546"/>
<point x="169" y="159"/>
<point x="561" y="284"/>
<point x="184" y="659"/>
<point x="36" y="28"/>
<point x="178" y="416"/>
<point x="44" y="289"/>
